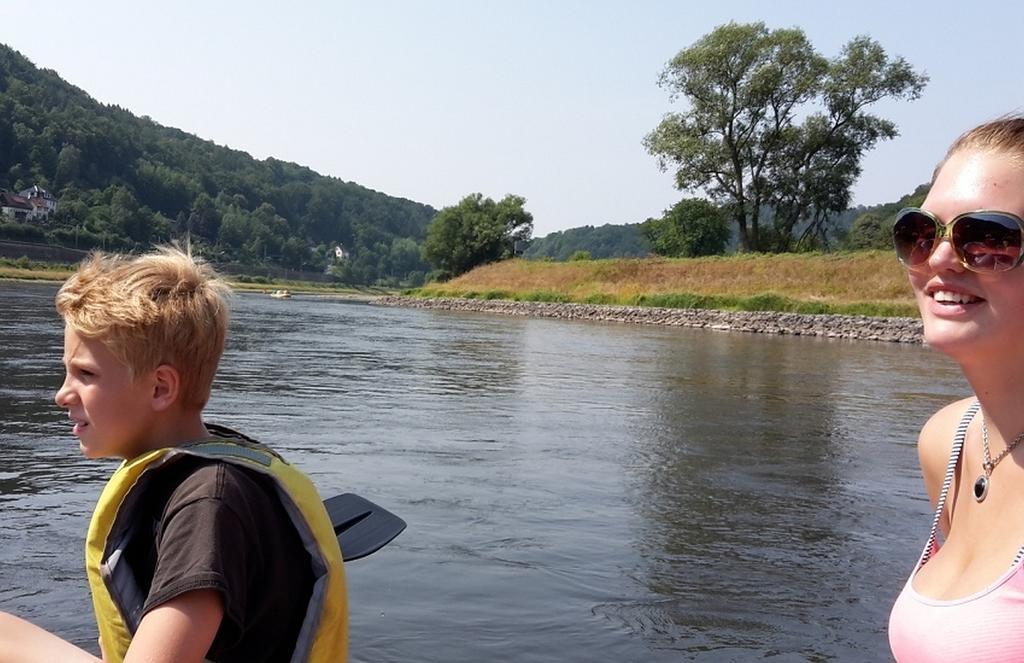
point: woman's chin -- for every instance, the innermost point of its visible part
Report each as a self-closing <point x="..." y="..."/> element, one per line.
<point x="968" y="343"/>
<point x="950" y="338"/>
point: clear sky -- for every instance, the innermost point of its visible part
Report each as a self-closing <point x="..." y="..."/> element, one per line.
<point x="548" y="99"/>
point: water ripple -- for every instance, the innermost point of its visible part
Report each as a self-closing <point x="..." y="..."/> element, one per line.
<point x="574" y="491"/>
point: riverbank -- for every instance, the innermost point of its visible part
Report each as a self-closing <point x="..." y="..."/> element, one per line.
<point x="859" y="283"/>
<point x="360" y="293"/>
<point x="855" y="327"/>
<point x="15" y="273"/>
<point x="58" y="274"/>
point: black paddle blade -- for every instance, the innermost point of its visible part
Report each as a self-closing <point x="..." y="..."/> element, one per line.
<point x="362" y="527"/>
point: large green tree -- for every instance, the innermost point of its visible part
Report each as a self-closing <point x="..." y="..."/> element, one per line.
<point x="692" y="227"/>
<point x="774" y="130"/>
<point x="476" y="231"/>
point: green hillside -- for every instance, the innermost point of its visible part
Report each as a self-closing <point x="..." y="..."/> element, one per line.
<point x="857" y="228"/>
<point x="607" y="241"/>
<point x="125" y="182"/>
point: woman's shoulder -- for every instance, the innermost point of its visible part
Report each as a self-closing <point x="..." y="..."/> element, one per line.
<point x="935" y="443"/>
<point x="942" y="425"/>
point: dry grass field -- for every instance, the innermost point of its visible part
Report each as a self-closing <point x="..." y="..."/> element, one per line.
<point x="868" y="283"/>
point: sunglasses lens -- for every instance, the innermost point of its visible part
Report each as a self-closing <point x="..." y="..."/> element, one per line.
<point x="913" y="235"/>
<point x="988" y="242"/>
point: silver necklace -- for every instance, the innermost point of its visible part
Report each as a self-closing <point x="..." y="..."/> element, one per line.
<point x="982" y="482"/>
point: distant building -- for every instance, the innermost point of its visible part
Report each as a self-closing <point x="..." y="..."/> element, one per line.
<point x="15" y="207"/>
<point x="43" y="203"/>
<point x="340" y="253"/>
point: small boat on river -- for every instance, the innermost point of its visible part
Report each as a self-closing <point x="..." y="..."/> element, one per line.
<point x="281" y="294"/>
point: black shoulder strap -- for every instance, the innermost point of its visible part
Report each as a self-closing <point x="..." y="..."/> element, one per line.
<point x="954" y="458"/>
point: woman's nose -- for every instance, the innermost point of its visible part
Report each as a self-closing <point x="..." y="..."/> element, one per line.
<point x="944" y="257"/>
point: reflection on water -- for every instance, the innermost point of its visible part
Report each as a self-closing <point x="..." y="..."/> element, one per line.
<point x="574" y="491"/>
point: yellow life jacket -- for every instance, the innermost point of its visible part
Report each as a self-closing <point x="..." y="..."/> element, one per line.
<point x="116" y="597"/>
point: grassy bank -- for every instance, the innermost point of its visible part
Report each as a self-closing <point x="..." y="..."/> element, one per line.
<point x="862" y="283"/>
<point x="10" y="269"/>
<point x="17" y="270"/>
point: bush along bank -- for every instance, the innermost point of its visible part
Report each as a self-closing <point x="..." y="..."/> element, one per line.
<point x="858" y="327"/>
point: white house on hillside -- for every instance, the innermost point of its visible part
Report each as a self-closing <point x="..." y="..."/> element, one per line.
<point x="43" y="203"/>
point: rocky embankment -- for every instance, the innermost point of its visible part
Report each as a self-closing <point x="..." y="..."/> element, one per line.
<point x="892" y="330"/>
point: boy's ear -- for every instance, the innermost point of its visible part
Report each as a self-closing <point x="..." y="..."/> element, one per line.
<point x="166" y="386"/>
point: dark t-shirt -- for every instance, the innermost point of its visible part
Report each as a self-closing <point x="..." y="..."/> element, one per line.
<point x="217" y="526"/>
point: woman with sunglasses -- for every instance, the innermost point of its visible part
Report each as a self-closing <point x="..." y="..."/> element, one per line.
<point x="964" y="600"/>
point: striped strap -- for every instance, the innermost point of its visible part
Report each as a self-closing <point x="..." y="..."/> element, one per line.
<point x="954" y="458"/>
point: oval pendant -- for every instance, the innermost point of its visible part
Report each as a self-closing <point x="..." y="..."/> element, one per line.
<point x="981" y="488"/>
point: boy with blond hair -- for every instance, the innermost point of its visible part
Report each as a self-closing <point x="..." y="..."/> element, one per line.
<point x="204" y="545"/>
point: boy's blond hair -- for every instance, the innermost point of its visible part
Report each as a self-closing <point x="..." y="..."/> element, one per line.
<point x="160" y="308"/>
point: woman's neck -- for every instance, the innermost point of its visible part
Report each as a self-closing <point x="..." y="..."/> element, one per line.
<point x="999" y="386"/>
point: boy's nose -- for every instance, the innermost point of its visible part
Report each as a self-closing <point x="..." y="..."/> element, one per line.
<point x="62" y="395"/>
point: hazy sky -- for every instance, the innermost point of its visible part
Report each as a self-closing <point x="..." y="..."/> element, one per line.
<point x="547" y="99"/>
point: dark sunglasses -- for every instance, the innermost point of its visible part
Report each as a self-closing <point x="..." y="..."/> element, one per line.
<point x="985" y="241"/>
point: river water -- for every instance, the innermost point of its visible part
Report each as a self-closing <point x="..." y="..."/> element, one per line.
<point x="574" y="491"/>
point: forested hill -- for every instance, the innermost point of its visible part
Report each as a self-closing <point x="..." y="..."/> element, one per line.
<point x="857" y="228"/>
<point x="125" y="182"/>
<point x="607" y="241"/>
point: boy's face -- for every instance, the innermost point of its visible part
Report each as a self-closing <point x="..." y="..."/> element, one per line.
<point x="112" y="412"/>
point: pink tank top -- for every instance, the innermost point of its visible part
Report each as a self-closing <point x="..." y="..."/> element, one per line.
<point x="985" y="627"/>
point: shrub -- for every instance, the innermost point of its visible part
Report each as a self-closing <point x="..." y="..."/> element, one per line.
<point x="544" y="296"/>
<point x="600" y="298"/>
